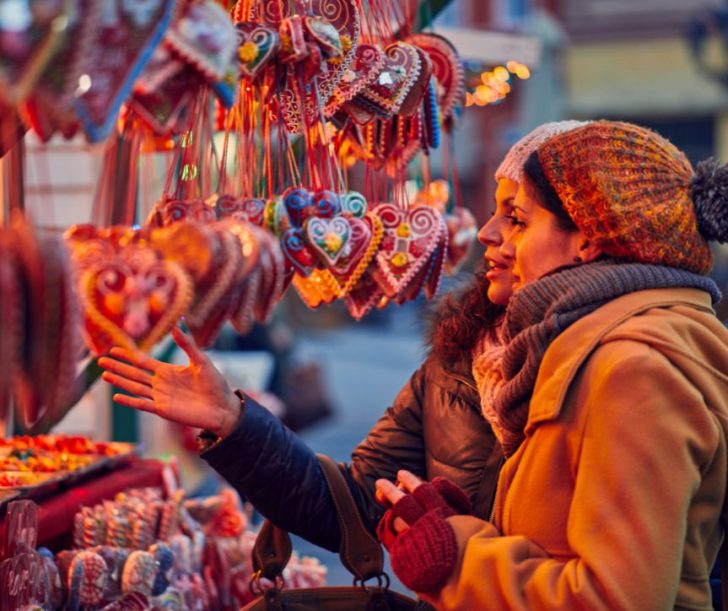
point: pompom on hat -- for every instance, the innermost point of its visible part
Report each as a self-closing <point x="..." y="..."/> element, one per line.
<point x="636" y="195"/>
<point x="512" y="164"/>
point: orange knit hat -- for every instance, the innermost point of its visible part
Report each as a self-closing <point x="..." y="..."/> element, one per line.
<point x="631" y="191"/>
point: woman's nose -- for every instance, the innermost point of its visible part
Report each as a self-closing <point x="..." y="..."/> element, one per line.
<point x="488" y="235"/>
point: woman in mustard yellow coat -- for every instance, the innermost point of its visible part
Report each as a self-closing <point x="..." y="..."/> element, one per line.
<point x="612" y="398"/>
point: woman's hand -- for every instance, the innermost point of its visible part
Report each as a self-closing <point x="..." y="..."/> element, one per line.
<point x="194" y="395"/>
<point x="388" y="494"/>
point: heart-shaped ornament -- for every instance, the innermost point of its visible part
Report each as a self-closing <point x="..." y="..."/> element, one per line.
<point x="12" y="307"/>
<point x="328" y="237"/>
<point x="306" y="102"/>
<point x="297" y="252"/>
<point x="257" y="47"/>
<point x="132" y="300"/>
<point x="462" y="229"/>
<point x="121" y="47"/>
<point x="249" y="209"/>
<point x="401" y="70"/>
<point x="29" y="35"/>
<point x="365" y="295"/>
<point x="447" y="68"/>
<point x="206" y="38"/>
<point x="366" y="235"/>
<point x="413" y="99"/>
<point x="298" y="204"/>
<point x="410" y="237"/>
<point x="354" y="204"/>
<point x="326" y="204"/>
<point x="178" y="210"/>
<point x="163" y="108"/>
<point x="317" y="289"/>
<point x="367" y="64"/>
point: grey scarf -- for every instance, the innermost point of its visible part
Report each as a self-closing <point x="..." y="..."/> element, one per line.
<point x="539" y="312"/>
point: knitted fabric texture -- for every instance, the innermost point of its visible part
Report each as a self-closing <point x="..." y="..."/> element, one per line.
<point x="628" y="189"/>
<point x="424" y="556"/>
<point x="512" y="165"/>
<point x="487" y="370"/>
<point x="539" y="312"/>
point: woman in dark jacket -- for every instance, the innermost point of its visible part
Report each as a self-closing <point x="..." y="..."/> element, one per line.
<point x="434" y="428"/>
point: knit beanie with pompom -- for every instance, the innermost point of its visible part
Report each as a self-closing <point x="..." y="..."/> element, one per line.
<point x="636" y="195"/>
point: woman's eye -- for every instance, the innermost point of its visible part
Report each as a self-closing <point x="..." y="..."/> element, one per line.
<point x="514" y="221"/>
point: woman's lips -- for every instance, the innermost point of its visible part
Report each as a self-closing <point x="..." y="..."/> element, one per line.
<point x="495" y="269"/>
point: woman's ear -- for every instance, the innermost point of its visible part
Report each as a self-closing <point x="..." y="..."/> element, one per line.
<point x="588" y="250"/>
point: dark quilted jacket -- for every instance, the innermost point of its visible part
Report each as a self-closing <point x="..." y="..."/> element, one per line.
<point x="435" y="427"/>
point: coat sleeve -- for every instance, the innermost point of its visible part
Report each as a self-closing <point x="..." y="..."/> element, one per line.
<point x="647" y="437"/>
<point x="280" y="475"/>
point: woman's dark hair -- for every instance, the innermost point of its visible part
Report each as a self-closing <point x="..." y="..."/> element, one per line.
<point x="547" y="196"/>
<point x="462" y="317"/>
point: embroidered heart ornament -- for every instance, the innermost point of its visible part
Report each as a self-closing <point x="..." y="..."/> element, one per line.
<point x="206" y="38"/>
<point x="121" y="48"/>
<point x="297" y="252"/>
<point x="328" y="238"/>
<point x="367" y="64"/>
<point x="326" y="204"/>
<point x="366" y="235"/>
<point x="447" y="68"/>
<point x="365" y="295"/>
<point x="241" y="209"/>
<point x="297" y="202"/>
<point x="410" y="237"/>
<point x="132" y="301"/>
<point x="257" y="46"/>
<point x="28" y="39"/>
<point x="178" y="210"/>
<point x="353" y="203"/>
<point x="402" y="68"/>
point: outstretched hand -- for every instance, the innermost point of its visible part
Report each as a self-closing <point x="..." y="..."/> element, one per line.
<point x="196" y="394"/>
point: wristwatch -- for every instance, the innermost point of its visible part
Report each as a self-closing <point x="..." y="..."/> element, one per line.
<point x="207" y="440"/>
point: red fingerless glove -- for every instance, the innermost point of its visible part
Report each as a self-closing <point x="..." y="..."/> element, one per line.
<point x="440" y="494"/>
<point x="424" y="555"/>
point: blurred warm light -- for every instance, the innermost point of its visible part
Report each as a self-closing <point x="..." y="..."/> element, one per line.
<point x="502" y="88"/>
<point x="469" y="100"/>
<point x="513" y="66"/>
<point x="523" y="72"/>
<point x="501" y="74"/>
<point x="486" y="77"/>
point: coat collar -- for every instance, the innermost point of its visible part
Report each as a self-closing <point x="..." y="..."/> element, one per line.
<point x="570" y="350"/>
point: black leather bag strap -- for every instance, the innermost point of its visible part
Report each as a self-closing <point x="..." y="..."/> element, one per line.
<point x="360" y="552"/>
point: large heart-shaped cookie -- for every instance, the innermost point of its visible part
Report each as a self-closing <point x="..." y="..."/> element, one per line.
<point x="132" y="300"/>
<point x="365" y="295"/>
<point x="307" y="100"/>
<point x="241" y="209"/>
<point x="206" y="38"/>
<point x="328" y="237"/>
<point x="120" y="50"/>
<point x="29" y="35"/>
<point x="410" y="237"/>
<point x="402" y="68"/>
<point x="366" y="235"/>
<point x="257" y="47"/>
<point x="447" y="68"/>
<point x="297" y="252"/>
<point x="368" y="63"/>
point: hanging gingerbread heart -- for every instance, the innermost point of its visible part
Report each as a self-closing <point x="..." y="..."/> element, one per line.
<point x="273" y="279"/>
<point x="413" y="99"/>
<point x="366" y="235"/>
<point x="29" y="35"/>
<point x="328" y="238"/>
<point x="317" y="289"/>
<point x="205" y="37"/>
<point x="297" y="252"/>
<point x="298" y="99"/>
<point x="178" y="210"/>
<point x="447" y="68"/>
<point x="132" y="300"/>
<point x="49" y="106"/>
<point x="410" y="237"/>
<point x="366" y="66"/>
<point x="257" y="47"/>
<point x="217" y="295"/>
<point x="462" y="229"/>
<point x="122" y="45"/>
<point x="353" y="204"/>
<point x="243" y="209"/>
<point x="298" y="204"/>
<point x="401" y="70"/>
<point x="326" y="204"/>
<point x="365" y="295"/>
